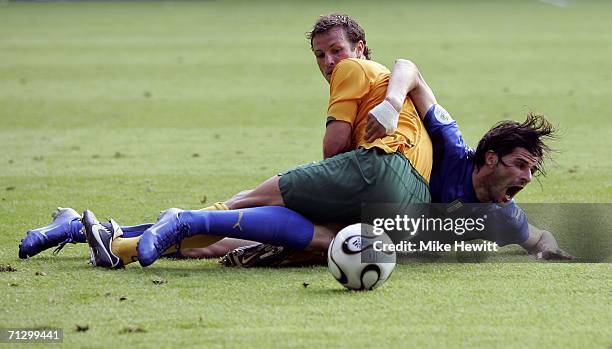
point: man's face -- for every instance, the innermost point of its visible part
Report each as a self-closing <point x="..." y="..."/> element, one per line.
<point x="509" y="174"/>
<point x="333" y="46"/>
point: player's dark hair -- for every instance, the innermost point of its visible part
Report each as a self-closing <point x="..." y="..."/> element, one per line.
<point x="352" y="29"/>
<point x="505" y="136"/>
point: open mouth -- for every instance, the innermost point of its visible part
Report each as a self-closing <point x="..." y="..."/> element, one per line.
<point x="511" y="192"/>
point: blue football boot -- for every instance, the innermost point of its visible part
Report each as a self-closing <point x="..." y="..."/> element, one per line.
<point x="66" y="227"/>
<point x="168" y="231"/>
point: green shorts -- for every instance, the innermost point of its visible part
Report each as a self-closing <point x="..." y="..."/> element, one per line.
<point x="334" y="190"/>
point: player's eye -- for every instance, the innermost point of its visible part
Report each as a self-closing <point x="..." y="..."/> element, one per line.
<point x="518" y="164"/>
<point x="522" y="165"/>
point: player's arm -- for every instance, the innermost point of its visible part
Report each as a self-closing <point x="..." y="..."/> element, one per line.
<point x="405" y="80"/>
<point x="542" y="243"/>
<point x="348" y="85"/>
<point x="337" y="138"/>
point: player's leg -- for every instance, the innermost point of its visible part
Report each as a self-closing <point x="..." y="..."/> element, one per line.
<point x="125" y="246"/>
<point x="331" y="190"/>
<point x="234" y="252"/>
<point x="269" y="193"/>
<point x="328" y="191"/>
<point x="265" y="255"/>
<point x="216" y="250"/>
<point x="271" y="224"/>
<point x="65" y="228"/>
<point x="265" y="194"/>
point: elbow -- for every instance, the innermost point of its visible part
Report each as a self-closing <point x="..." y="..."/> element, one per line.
<point x="406" y="63"/>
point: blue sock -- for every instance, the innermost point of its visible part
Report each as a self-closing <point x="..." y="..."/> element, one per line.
<point x="129" y="231"/>
<point x="132" y="231"/>
<point x="268" y="224"/>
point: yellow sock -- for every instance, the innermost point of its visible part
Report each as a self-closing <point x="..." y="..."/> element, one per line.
<point x="127" y="248"/>
<point x="217" y="206"/>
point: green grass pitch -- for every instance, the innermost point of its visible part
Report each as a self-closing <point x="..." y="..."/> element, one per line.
<point x="128" y="108"/>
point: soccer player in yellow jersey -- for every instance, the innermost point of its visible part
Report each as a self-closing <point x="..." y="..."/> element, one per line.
<point x="357" y="169"/>
<point x="356" y="87"/>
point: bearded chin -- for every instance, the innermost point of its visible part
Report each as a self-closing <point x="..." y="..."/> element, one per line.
<point x="495" y="191"/>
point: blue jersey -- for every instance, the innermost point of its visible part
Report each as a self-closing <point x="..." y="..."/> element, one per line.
<point x="451" y="179"/>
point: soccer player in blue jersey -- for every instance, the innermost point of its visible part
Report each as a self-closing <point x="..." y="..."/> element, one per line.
<point x="504" y="162"/>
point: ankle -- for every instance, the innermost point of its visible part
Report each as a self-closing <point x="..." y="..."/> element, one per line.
<point x="196" y="221"/>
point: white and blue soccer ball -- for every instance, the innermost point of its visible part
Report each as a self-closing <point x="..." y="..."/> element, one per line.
<point x="353" y="260"/>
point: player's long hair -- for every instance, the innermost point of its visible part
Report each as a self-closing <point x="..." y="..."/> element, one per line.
<point x="352" y="29"/>
<point x="505" y="136"/>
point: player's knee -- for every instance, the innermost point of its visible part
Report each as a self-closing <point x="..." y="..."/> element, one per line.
<point x="253" y="201"/>
<point x="266" y="194"/>
<point x="234" y="202"/>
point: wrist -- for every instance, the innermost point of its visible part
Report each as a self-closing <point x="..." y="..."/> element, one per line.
<point x="396" y="102"/>
<point x="386" y="115"/>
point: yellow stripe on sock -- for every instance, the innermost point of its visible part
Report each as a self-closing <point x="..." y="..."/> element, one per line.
<point x="217" y="206"/>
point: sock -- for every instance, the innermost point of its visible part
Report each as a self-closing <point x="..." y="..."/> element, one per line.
<point x="77" y="230"/>
<point x="125" y="247"/>
<point x="200" y="241"/>
<point x="268" y="224"/>
<point x="132" y="231"/>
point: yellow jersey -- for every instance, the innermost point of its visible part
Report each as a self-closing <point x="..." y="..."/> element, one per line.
<point x="357" y="86"/>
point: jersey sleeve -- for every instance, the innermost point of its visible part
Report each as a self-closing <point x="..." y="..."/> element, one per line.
<point x="348" y="85"/>
<point x="443" y="131"/>
<point x="509" y="225"/>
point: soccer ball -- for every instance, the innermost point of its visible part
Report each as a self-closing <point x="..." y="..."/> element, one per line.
<point x="355" y="263"/>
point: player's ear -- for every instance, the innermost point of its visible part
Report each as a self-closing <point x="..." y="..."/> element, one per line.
<point x="359" y="48"/>
<point x="491" y="158"/>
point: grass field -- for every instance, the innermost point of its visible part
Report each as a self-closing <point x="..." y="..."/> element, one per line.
<point x="131" y="108"/>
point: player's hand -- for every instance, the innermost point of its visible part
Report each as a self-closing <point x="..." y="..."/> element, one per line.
<point x="382" y="120"/>
<point x="374" y="129"/>
<point x="558" y="254"/>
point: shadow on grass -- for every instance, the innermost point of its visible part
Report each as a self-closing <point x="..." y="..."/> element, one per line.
<point x="336" y="291"/>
